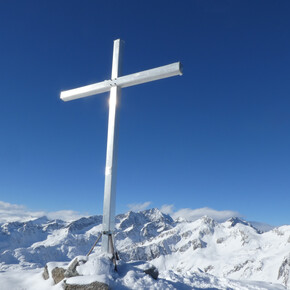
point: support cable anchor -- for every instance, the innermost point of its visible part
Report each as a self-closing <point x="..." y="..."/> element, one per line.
<point x="115" y="256"/>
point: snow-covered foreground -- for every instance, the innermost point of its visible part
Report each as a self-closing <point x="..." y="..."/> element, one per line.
<point x="202" y="254"/>
<point x="129" y="276"/>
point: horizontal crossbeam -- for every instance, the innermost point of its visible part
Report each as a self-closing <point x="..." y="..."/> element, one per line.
<point x="124" y="81"/>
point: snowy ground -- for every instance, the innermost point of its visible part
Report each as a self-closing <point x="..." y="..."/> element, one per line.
<point x="129" y="276"/>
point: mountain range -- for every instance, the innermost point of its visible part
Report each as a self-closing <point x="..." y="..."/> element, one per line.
<point x="235" y="249"/>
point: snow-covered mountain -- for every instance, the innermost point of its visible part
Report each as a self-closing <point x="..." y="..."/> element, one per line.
<point x="234" y="249"/>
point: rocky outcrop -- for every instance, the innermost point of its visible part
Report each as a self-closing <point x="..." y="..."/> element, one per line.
<point x="45" y="273"/>
<point x="152" y="271"/>
<point x="198" y="244"/>
<point x="57" y="274"/>
<point x="284" y="271"/>
<point x="92" y="286"/>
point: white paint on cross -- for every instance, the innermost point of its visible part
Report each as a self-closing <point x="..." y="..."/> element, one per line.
<point x="114" y="85"/>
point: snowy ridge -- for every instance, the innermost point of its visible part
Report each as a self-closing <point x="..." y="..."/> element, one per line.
<point x="234" y="249"/>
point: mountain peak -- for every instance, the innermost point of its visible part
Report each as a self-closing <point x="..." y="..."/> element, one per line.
<point x="235" y="220"/>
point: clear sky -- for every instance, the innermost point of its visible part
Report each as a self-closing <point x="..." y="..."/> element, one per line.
<point x="216" y="137"/>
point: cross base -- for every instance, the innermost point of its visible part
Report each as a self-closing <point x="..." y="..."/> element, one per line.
<point x="113" y="251"/>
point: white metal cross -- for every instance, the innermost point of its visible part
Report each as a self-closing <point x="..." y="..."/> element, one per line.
<point x="114" y="85"/>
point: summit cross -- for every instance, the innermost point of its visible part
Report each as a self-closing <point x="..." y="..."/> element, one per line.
<point x="114" y="85"/>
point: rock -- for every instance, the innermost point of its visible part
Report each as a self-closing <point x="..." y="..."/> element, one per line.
<point x="92" y="286"/>
<point x="220" y="240"/>
<point x="198" y="244"/>
<point x="208" y="268"/>
<point x="185" y="247"/>
<point x="284" y="271"/>
<point x="57" y="274"/>
<point x="45" y="273"/>
<point x="153" y="272"/>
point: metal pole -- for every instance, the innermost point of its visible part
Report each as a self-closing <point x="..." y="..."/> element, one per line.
<point x="99" y="237"/>
<point x="112" y="146"/>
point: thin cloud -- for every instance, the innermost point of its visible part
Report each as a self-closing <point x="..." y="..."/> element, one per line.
<point x="167" y="209"/>
<point x="14" y="212"/>
<point x="139" y="206"/>
<point x="65" y="215"/>
<point x="194" y="214"/>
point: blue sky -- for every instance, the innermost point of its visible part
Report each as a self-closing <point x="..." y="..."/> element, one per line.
<point x="217" y="137"/>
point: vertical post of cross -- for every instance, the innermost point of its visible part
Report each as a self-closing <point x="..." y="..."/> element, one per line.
<point x="114" y="85"/>
<point x="112" y="147"/>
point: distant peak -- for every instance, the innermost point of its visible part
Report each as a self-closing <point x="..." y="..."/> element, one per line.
<point x="207" y="219"/>
<point x="40" y="220"/>
<point x="235" y="220"/>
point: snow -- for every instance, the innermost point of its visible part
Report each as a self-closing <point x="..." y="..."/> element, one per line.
<point x="129" y="276"/>
<point x="200" y="254"/>
<point x="25" y="279"/>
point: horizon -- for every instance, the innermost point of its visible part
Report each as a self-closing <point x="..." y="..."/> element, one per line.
<point x="19" y="213"/>
<point x="217" y="137"/>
